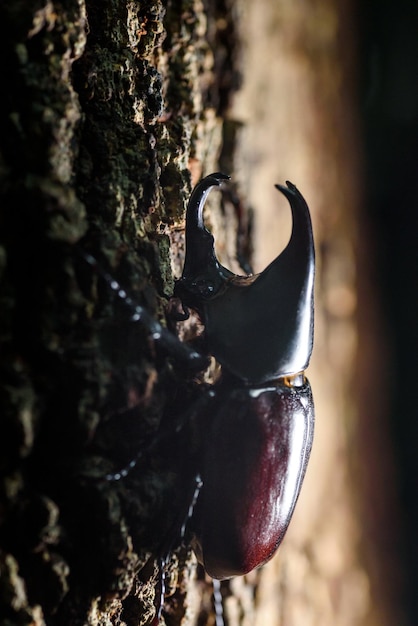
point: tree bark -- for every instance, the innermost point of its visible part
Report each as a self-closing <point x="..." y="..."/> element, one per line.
<point x="112" y="111"/>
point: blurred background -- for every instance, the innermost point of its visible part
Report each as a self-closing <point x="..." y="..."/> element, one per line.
<point x="330" y="101"/>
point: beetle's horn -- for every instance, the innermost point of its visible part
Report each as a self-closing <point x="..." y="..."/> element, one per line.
<point x="194" y="215"/>
<point x="259" y="327"/>
<point x="202" y="273"/>
<point x="263" y="329"/>
<point x="293" y="272"/>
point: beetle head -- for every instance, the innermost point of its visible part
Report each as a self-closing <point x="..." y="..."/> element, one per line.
<point x="259" y="328"/>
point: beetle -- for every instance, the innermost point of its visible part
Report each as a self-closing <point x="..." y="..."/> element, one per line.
<point x="260" y="329"/>
<point x="260" y="412"/>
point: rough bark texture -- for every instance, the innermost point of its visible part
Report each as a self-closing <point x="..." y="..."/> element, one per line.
<point x="109" y="106"/>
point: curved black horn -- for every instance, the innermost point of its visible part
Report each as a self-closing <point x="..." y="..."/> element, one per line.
<point x="265" y="330"/>
<point x="194" y="214"/>
<point x="259" y="328"/>
<point x="202" y="273"/>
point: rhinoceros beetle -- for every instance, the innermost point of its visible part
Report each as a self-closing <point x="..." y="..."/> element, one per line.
<point x="259" y="328"/>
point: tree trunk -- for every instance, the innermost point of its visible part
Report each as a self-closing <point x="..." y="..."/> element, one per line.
<point x="112" y="111"/>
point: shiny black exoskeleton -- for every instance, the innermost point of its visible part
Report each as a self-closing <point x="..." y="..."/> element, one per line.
<point x="260" y="329"/>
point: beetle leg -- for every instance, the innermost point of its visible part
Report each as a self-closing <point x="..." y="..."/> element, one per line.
<point x="197" y="407"/>
<point x="160" y="335"/>
<point x="218" y="604"/>
<point x="165" y="551"/>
